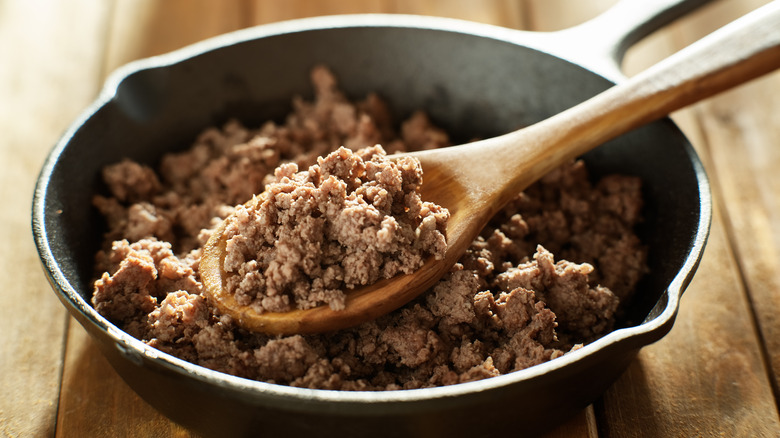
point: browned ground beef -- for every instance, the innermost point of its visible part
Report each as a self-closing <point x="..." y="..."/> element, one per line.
<point x="349" y="220"/>
<point x="507" y="305"/>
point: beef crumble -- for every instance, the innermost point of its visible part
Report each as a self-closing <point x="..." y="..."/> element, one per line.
<point x="545" y="276"/>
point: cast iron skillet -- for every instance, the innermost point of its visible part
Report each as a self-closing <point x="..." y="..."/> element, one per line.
<point x="475" y="81"/>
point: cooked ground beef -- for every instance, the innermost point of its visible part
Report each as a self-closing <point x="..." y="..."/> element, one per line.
<point x="507" y="305"/>
<point x="349" y="220"/>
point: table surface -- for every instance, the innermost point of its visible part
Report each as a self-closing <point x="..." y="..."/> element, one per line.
<point x="715" y="374"/>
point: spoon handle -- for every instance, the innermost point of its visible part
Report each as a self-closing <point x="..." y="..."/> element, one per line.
<point x="743" y="50"/>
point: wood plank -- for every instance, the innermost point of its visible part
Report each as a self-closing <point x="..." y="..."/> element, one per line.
<point x="551" y="15"/>
<point x="745" y="154"/>
<point x="582" y="425"/>
<point x="43" y="86"/>
<point x="143" y="28"/>
<point x="507" y="13"/>
<point x="266" y="11"/>
<point x="708" y="376"/>
<point x="500" y="12"/>
<point x="95" y="402"/>
<point x="743" y="133"/>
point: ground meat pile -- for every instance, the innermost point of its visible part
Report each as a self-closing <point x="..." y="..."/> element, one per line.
<point x="547" y="275"/>
<point x="349" y="220"/>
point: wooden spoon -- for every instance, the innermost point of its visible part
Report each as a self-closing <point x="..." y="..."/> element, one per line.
<point x="476" y="180"/>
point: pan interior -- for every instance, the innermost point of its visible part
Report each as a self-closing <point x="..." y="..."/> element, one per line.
<point x="472" y="86"/>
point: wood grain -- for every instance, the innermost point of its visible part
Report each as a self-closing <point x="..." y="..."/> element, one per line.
<point x="743" y="134"/>
<point x="143" y="28"/>
<point x="551" y="15"/>
<point x="698" y="381"/>
<point x="265" y="11"/>
<point x="500" y="12"/>
<point x="708" y="376"/>
<point x="42" y="88"/>
<point x="507" y="13"/>
<point x="96" y="402"/>
<point x="103" y="405"/>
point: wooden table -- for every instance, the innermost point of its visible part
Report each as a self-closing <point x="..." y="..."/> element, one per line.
<point x="715" y="374"/>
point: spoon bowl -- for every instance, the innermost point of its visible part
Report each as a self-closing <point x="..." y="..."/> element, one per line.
<point x="473" y="181"/>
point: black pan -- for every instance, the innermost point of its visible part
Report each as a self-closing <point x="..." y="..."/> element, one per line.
<point x="475" y="81"/>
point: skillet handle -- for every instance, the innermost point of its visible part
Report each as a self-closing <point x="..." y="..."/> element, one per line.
<point x="600" y="43"/>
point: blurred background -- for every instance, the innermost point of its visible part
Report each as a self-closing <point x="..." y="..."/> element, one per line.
<point x="715" y="374"/>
